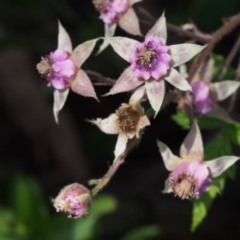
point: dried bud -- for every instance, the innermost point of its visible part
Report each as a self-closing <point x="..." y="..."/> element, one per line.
<point x="74" y="199"/>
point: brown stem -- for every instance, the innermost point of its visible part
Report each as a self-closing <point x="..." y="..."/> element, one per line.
<point x="173" y="28"/>
<point x="229" y="59"/>
<point x="225" y="29"/>
<point x="101" y="183"/>
<point x="99" y="80"/>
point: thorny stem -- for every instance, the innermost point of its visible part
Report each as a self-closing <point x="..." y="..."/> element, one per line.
<point x="225" y="29"/>
<point x="99" y="80"/>
<point x="229" y="59"/>
<point x="171" y="27"/>
<point x="101" y="183"/>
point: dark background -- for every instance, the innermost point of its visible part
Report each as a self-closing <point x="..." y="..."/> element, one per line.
<point x="76" y="151"/>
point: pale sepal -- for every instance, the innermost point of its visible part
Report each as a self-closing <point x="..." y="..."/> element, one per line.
<point x="120" y="145"/>
<point x="177" y="80"/>
<point x="205" y="71"/>
<point x="143" y="122"/>
<point x="59" y="99"/>
<point x="129" y="22"/>
<point x="169" y="159"/>
<point x="82" y="85"/>
<point x="167" y="188"/>
<point x="123" y="46"/>
<point x="83" y="51"/>
<point x="159" y="30"/>
<point x="222" y="90"/>
<point x="155" y="92"/>
<point x="220" y="113"/>
<point x="131" y="2"/>
<point x="219" y="165"/>
<point x="137" y="96"/>
<point x="109" y="31"/>
<point x="182" y="53"/>
<point x="107" y="125"/>
<point x="192" y="146"/>
<point x="64" y="41"/>
<point x="126" y="82"/>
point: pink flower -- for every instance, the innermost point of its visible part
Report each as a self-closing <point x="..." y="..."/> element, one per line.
<point x="190" y="175"/>
<point x="128" y="122"/>
<point x="152" y="62"/>
<point x="201" y="97"/>
<point x="117" y="12"/>
<point x="111" y="11"/>
<point x="150" y="59"/>
<point x="62" y="69"/>
<point x="73" y="199"/>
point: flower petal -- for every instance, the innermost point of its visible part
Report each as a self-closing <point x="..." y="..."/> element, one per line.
<point x="182" y="53"/>
<point x="222" y="90"/>
<point x="137" y="96"/>
<point x="83" y="51"/>
<point x="107" y="125"/>
<point x="177" y="80"/>
<point x="64" y="41"/>
<point x="120" y="145"/>
<point x="109" y="31"/>
<point x="219" y="165"/>
<point x="123" y="46"/>
<point x="130" y="23"/>
<point x="131" y="2"/>
<point x="192" y="146"/>
<point x="60" y="98"/>
<point x="167" y="188"/>
<point x="220" y="113"/>
<point x="82" y="85"/>
<point x="126" y="82"/>
<point x="169" y="159"/>
<point x="159" y="30"/>
<point x="155" y="92"/>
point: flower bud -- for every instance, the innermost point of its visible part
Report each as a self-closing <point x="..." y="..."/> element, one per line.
<point x="74" y="199"/>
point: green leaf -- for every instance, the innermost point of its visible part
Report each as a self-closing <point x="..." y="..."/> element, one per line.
<point x="182" y="120"/>
<point x="142" y="233"/>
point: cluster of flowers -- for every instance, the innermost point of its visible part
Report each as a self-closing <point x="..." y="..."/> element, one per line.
<point x="151" y="62"/>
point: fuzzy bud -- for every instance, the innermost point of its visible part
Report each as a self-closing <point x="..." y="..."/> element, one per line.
<point x="74" y="199"/>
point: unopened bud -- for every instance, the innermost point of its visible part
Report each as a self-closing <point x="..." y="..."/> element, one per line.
<point x="74" y="199"/>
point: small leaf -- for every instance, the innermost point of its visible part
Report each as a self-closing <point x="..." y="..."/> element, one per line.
<point x="182" y="120"/>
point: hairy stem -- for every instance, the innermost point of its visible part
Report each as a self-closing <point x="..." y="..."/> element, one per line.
<point x="225" y="29"/>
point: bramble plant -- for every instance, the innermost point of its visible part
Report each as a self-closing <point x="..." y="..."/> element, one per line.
<point x="152" y="67"/>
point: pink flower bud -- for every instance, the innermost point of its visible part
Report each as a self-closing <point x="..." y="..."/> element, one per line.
<point x="74" y="199"/>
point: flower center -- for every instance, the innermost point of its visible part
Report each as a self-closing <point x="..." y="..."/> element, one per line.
<point x="146" y="55"/>
<point x="99" y="4"/>
<point x="184" y="186"/>
<point x="45" y="66"/>
<point x="128" y="119"/>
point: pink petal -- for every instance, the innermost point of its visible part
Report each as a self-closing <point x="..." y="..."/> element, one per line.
<point x="159" y="30"/>
<point x="107" y="125"/>
<point x="169" y="159"/>
<point x="120" y="145"/>
<point x="60" y="98"/>
<point x="222" y="90"/>
<point x="123" y="46"/>
<point x="109" y="31"/>
<point x="177" y="80"/>
<point x="219" y="165"/>
<point x="182" y="53"/>
<point x="129" y="22"/>
<point x="64" y="41"/>
<point x="155" y="92"/>
<point x="126" y="82"/>
<point x="83" y="51"/>
<point x="82" y="85"/>
<point x="192" y="146"/>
